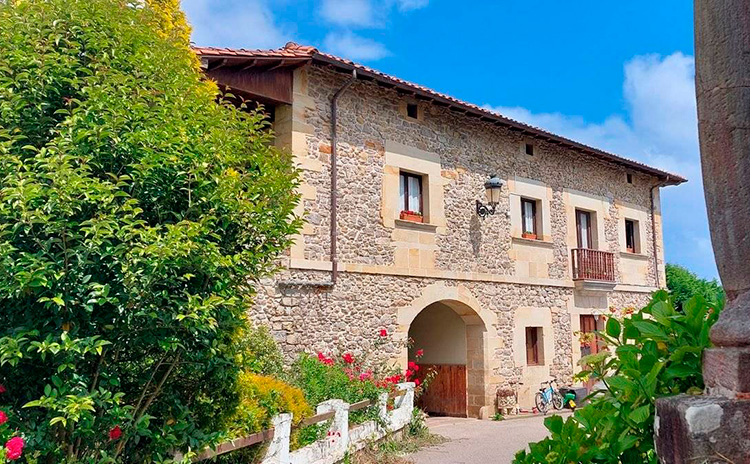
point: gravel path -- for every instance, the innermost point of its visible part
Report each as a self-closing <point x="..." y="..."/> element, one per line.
<point x="476" y="441"/>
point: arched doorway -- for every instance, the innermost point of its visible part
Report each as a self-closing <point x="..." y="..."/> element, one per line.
<point x="453" y="338"/>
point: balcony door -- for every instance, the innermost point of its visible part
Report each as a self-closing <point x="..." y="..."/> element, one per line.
<point x="583" y="229"/>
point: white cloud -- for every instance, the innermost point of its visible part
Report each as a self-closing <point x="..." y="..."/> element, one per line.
<point x="354" y="47"/>
<point x="358" y="13"/>
<point x="661" y="130"/>
<point x="407" y="5"/>
<point x="234" y="23"/>
<point x="365" y="13"/>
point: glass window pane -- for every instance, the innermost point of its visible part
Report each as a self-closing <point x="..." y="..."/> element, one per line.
<point x="414" y="194"/>
<point x="402" y="192"/>
<point x="528" y="217"/>
<point x="584" y="222"/>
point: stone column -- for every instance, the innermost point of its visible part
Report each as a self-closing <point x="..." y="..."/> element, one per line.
<point x="278" y="448"/>
<point x="713" y="427"/>
<point x="338" y="433"/>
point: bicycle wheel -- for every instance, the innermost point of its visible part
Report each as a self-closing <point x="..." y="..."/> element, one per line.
<point x="541" y="404"/>
<point x="557" y="400"/>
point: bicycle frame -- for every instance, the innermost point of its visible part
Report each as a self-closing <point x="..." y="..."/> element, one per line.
<point x="547" y="394"/>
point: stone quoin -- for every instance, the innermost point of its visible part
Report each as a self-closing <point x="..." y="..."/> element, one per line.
<point x="495" y="302"/>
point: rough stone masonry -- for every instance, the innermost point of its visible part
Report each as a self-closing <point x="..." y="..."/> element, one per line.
<point x="498" y="282"/>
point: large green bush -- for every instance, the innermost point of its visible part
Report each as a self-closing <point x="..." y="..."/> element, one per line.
<point x="653" y="353"/>
<point x="135" y="212"/>
<point x="683" y="284"/>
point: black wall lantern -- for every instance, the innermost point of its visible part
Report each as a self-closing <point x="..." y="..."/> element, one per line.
<point x="492" y="189"/>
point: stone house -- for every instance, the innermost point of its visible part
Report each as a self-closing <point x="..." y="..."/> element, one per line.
<point x="496" y="292"/>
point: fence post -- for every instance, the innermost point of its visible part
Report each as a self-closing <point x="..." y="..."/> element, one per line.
<point x="338" y="433"/>
<point x="278" y="448"/>
<point x="401" y="415"/>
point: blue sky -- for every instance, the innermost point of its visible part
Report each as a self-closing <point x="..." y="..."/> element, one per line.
<point x="616" y="75"/>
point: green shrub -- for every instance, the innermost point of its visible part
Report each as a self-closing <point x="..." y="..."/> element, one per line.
<point x="321" y="381"/>
<point x="653" y="353"/>
<point x="261" y="398"/>
<point x="683" y="285"/>
<point x="258" y="352"/>
<point x="134" y="210"/>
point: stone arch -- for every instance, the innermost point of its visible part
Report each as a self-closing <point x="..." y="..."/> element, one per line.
<point x="481" y="339"/>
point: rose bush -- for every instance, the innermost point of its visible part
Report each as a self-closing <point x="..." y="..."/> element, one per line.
<point x="135" y="211"/>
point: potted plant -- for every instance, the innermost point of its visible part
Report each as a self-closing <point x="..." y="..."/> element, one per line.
<point x="506" y="400"/>
<point x="529" y="235"/>
<point x="413" y="216"/>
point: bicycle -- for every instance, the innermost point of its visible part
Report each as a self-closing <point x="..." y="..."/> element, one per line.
<point x="546" y="396"/>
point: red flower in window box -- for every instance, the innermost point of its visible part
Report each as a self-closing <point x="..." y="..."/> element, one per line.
<point x="413" y="216"/>
<point x="528" y="235"/>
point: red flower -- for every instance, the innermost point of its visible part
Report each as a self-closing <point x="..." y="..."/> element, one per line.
<point x="408" y="374"/>
<point x="348" y="358"/>
<point x="383" y="333"/>
<point x="416" y="382"/>
<point x="413" y="366"/>
<point x="321" y="357"/>
<point x="420" y="353"/>
<point x="14" y="448"/>
<point x="115" y="433"/>
<point x="2" y="388"/>
<point x="365" y="375"/>
<point x="3" y="417"/>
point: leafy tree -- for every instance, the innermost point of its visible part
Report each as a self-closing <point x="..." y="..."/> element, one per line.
<point x="652" y="353"/>
<point x="135" y="214"/>
<point x="684" y="284"/>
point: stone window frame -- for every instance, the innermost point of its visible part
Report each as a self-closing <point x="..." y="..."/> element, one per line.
<point x="534" y="338"/>
<point x="636" y="228"/>
<point x="523" y="151"/>
<point x="639" y="215"/>
<point x="533" y="316"/>
<point x="597" y="206"/>
<point x="530" y="189"/>
<point x="398" y="158"/>
<point x="402" y="109"/>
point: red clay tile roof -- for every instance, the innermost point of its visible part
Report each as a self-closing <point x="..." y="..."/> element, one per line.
<point x="293" y="52"/>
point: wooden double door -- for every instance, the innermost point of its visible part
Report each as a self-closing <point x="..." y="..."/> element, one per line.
<point x="446" y="394"/>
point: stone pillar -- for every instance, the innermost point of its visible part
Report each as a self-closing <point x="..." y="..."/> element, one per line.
<point x="278" y="448"/>
<point x="713" y="427"/>
<point x="338" y="433"/>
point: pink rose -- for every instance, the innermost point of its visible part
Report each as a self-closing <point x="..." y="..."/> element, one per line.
<point x="3" y="417"/>
<point x="14" y="448"/>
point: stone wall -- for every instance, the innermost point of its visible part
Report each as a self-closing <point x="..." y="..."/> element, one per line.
<point x="469" y="151"/>
<point x="390" y="270"/>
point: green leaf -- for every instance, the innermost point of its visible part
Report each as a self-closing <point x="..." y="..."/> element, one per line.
<point x="650" y="330"/>
<point x="613" y="327"/>
<point x="554" y="424"/>
<point x="640" y="414"/>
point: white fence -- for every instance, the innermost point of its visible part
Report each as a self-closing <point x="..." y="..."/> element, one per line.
<point x="339" y="440"/>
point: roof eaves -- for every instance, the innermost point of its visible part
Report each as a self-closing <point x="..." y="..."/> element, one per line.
<point x="306" y="53"/>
